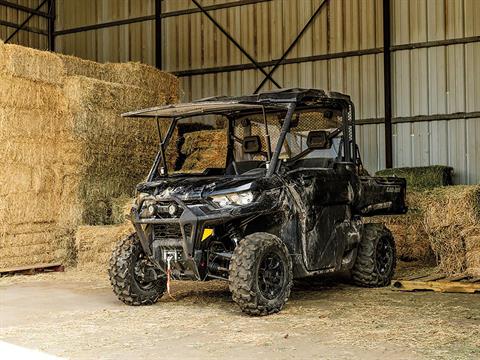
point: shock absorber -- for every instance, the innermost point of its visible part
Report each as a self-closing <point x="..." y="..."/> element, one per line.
<point x="234" y="234"/>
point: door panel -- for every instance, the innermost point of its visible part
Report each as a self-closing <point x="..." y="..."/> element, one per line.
<point x="326" y="196"/>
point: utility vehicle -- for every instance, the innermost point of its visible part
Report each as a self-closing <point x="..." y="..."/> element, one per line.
<point x="284" y="197"/>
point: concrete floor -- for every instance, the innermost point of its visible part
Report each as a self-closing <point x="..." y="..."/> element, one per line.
<point x="75" y="315"/>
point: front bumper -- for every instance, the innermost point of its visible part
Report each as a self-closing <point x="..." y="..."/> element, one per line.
<point x="192" y="222"/>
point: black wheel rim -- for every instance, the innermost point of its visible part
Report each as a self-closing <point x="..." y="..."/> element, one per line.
<point x="271" y="275"/>
<point x="384" y="256"/>
<point x="142" y="265"/>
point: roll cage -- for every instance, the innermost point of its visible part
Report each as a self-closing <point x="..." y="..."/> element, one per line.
<point x="286" y="101"/>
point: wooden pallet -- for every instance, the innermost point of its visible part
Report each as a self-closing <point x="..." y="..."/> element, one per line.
<point x="32" y="269"/>
<point x="439" y="283"/>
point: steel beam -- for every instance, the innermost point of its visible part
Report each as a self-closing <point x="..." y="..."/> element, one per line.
<point x="24" y="28"/>
<point x="152" y="17"/>
<point x="387" y="84"/>
<point x="292" y="45"/>
<point x="158" y="34"/>
<point x="25" y="22"/>
<point x="229" y="37"/>
<point x="23" y="8"/>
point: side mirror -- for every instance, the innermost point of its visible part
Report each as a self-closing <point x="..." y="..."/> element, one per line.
<point x="252" y="144"/>
<point x="318" y="140"/>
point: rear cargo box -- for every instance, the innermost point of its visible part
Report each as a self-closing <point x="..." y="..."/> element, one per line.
<point x="381" y="196"/>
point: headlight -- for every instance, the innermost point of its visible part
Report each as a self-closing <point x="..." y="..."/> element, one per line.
<point x="238" y="198"/>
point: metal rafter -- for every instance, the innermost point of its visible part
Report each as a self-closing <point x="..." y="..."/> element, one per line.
<point x="292" y="45"/>
<point x="244" y="52"/>
<point x="25" y="21"/>
<point x="174" y="13"/>
<point x="25" y="28"/>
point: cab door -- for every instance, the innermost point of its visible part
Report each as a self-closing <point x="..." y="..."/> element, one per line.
<point x="327" y="198"/>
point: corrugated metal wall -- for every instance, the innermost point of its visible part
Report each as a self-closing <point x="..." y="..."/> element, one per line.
<point x="429" y="78"/>
<point x="13" y="16"/>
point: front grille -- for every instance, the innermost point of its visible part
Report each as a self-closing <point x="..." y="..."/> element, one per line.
<point x="167" y="231"/>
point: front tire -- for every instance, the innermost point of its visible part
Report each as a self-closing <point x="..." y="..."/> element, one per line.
<point x="376" y="257"/>
<point x="129" y="274"/>
<point x="260" y="274"/>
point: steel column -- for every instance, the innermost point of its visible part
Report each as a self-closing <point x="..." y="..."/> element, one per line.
<point x="387" y="84"/>
<point x="292" y="45"/>
<point x="244" y="52"/>
<point x="51" y="25"/>
<point x="158" y="34"/>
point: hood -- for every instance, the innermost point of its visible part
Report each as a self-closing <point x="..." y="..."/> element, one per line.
<point x="191" y="188"/>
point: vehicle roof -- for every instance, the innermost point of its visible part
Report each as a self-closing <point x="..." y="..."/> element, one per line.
<point x="274" y="100"/>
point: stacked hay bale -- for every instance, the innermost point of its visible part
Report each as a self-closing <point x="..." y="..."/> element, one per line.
<point x="66" y="151"/>
<point x="452" y="222"/>
<point x="409" y="231"/>
<point x="94" y="244"/>
<point x="204" y="149"/>
<point x="441" y="227"/>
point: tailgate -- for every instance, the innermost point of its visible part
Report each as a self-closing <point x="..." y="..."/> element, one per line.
<point x="381" y="196"/>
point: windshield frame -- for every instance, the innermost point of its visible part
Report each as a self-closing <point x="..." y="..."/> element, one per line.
<point x="347" y="127"/>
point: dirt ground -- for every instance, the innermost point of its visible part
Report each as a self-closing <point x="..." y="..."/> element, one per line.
<point x="75" y="315"/>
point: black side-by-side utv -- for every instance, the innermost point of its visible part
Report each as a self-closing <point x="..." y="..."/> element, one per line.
<point x="285" y="200"/>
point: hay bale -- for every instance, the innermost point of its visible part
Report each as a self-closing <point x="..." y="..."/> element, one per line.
<point x="24" y="94"/>
<point x="32" y="64"/>
<point x="409" y="231"/>
<point x="116" y="153"/>
<point x="421" y="178"/>
<point x="144" y="76"/>
<point x="204" y="149"/>
<point x="95" y="244"/>
<point x="452" y="214"/>
<point x="443" y="222"/>
<point x="65" y="149"/>
<point x="130" y="73"/>
<point x="121" y="207"/>
<point x="472" y="250"/>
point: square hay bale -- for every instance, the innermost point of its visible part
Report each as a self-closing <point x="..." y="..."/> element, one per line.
<point x="204" y="149"/>
<point x="95" y="244"/>
<point x="32" y="64"/>
<point x="129" y="73"/>
<point x="409" y="231"/>
<point x="25" y="94"/>
<point x="422" y="177"/>
<point x="472" y="249"/>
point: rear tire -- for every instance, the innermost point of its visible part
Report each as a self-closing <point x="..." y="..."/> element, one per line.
<point x="376" y="257"/>
<point x="260" y="274"/>
<point x="126" y="276"/>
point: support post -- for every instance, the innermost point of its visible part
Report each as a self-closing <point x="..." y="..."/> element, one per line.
<point x="158" y="34"/>
<point x="387" y="84"/>
<point x="51" y="25"/>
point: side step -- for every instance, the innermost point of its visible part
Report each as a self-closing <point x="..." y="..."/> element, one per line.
<point x="33" y="269"/>
<point x="439" y="283"/>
